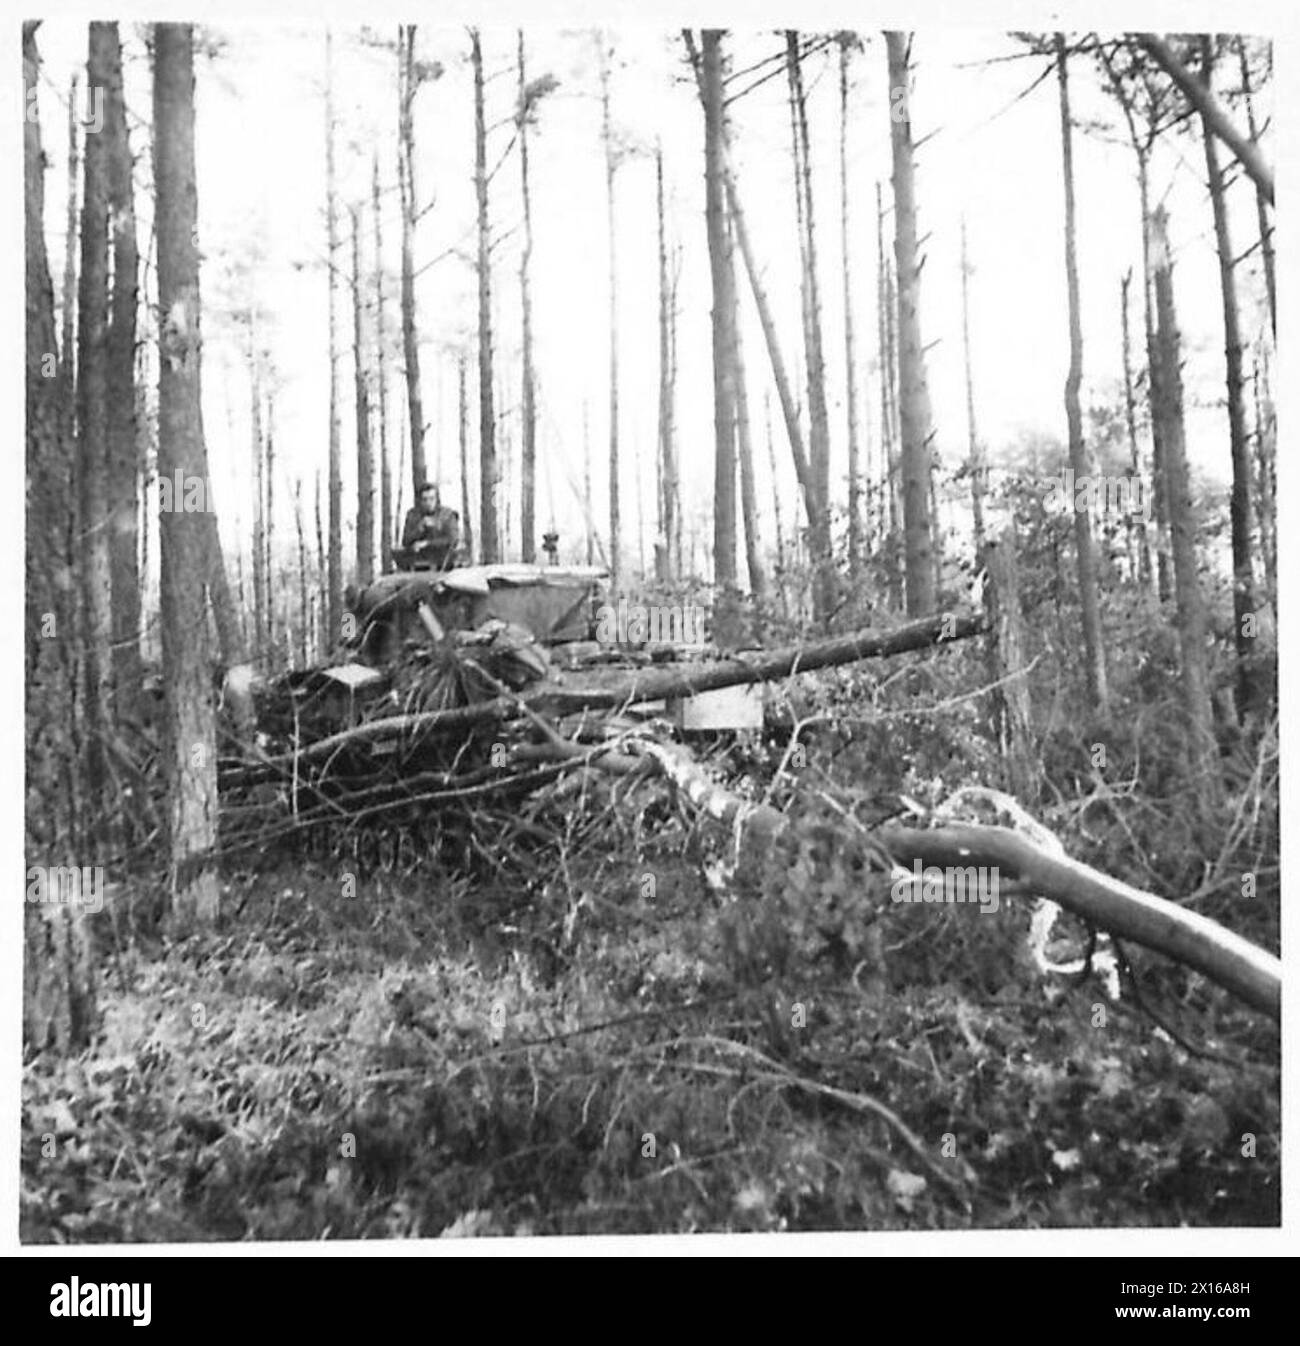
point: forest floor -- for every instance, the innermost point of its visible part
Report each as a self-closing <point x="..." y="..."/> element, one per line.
<point x="620" y="1036"/>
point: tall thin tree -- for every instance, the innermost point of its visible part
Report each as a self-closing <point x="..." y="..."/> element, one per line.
<point x="410" y="74"/>
<point x="489" y="538"/>
<point x="528" y="464"/>
<point x="92" y="431"/>
<point x="334" y="584"/>
<point x="123" y="477"/>
<point x="1243" y="567"/>
<point x="381" y="378"/>
<point x="1085" y="555"/>
<point x="189" y="757"/>
<point x="724" y="395"/>
<point x="914" y="397"/>
<point x="975" y="460"/>
<point x="847" y="42"/>
<point x="365" y="455"/>
<point x="611" y="168"/>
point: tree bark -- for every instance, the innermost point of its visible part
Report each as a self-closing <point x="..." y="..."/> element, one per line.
<point x="365" y="455"/>
<point x="334" y="582"/>
<point x="721" y="271"/>
<point x="914" y="397"/>
<point x="92" y="434"/>
<point x="819" y="443"/>
<point x="190" y="740"/>
<point x="1140" y="549"/>
<point x="257" y="448"/>
<point x="381" y="371"/>
<point x="1086" y="558"/>
<point x="887" y="316"/>
<point x="489" y="540"/>
<point x="467" y="513"/>
<point x="59" y="1007"/>
<point x="1012" y="722"/>
<point x="407" y="83"/>
<point x="615" y="527"/>
<point x="1182" y="527"/>
<point x="745" y="453"/>
<point x="587" y="505"/>
<point x="528" y="463"/>
<point x="857" y="550"/>
<point x="1243" y="566"/>
<point x="123" y="477"/>
<point x="668" y="490"/>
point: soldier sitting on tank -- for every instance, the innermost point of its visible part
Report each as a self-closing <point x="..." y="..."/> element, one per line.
<point x="431" y="533"/>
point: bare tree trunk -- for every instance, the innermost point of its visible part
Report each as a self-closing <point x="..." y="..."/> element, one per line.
<point x="381" y="368"/>
<point x="668" y="491"/>
<point x="268" y="516"/>
<point x="304" y="602"/>
<point x="1266" y="471"/>
<point x="889" y="479"/>
<point x="789" y="408"/>
<point x="1010" y="706"/>
<point x="1182" y="527"/>
<point x="586" y="483"/>
<point x="1094" y="648"/>
<point x="70" y="248"/>
<point x="914" y="395"/>
<point x="257" y="447"/>
<point x="781" y="563"/>
<point x="976" y="459"/>
<point x="1261" y="201"/>
<point x="819" y="450"/>
<point x="92" y="437"/>
<point x="724" y="394"/>
<point x="489" y="541"/>
<point x="745" y="453"/>
<point x="1243" y="566"/>
<point x="611" y="166"/>
<point x="59" y="1009"/>
<point x="190" y="756"/>
<point x="322" y="642"/>
<point x="784" y="388"/>
<point x="123" y="464"/>
<point x="335" y="580"/>
<point x="528" y="464"/>
<point x="1164" y="557"/>
<point x="467" y="514"/>
<point x="1139" y="544"/>
<point x="407" y="83"/>
<point x="857" y="549"/>
<point x="365" y="457"/>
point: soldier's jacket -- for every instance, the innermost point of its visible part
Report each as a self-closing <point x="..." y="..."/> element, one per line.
<point x="440" y="530"/>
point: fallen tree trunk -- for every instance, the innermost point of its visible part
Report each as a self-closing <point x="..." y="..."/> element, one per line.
<point x="654" y="685"/>
<point x="1250" y="973"/>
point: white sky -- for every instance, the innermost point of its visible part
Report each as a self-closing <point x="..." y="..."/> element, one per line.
<point x="260" y="149"/>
